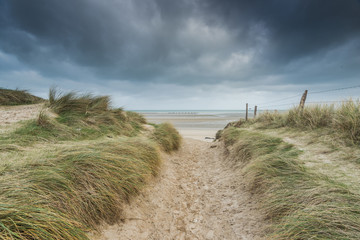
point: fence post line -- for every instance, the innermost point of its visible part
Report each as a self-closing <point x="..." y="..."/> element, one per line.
<point x="255" y="110"/>
<point x="303" y="99"/>
<point x="247" y="111"/>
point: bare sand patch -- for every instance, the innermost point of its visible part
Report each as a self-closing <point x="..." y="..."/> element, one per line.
<point x="207" y="135"/>
<point x="13" y="114"/>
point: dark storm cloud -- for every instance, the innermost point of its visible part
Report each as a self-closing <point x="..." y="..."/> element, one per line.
<point x="295" y="28"/>
<point x="185" y="41"/>
<point x="129" y="37"/>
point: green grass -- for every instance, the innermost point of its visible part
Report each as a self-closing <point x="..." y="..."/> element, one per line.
<point x="10" y="97"/>
<point x="299" y="203"/>
<point x="61" y="177"/>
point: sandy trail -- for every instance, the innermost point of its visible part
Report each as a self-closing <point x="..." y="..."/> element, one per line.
<point x="197" y="196"/>
<point x="13" y="114"/>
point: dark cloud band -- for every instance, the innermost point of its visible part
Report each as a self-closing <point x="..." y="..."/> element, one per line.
<point x="185" y="41"/>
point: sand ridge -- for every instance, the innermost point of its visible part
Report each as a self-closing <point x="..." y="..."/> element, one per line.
<point x="197" y="196"/>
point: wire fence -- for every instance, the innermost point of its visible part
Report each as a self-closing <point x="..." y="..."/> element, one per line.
<point x="295" y="99"/>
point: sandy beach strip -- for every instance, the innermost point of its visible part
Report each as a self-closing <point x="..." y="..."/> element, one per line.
<point x="200" y="127"/>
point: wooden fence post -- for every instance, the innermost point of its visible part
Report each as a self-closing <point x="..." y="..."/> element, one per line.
<point x="247" y="111"/>
<point x="255" y="110"/>
<point x="303" y="99"/>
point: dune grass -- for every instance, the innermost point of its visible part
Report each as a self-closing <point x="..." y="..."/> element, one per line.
<point x="61" y="177"/>
<point x="10" y="97"/>
<point x="79" y="117"/>
<point x="167" y="137"/>
<point x="299" y="203"/>
<point x="75" y="188"/>
<point x="347" y="120"/>
<point x="63" y="192"/>
<point x="84" y="111"/>
<point x="342" y="121"/>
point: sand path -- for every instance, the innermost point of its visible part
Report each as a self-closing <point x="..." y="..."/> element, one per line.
<point x="197" y="196"/>
<point x="13" y="114"/>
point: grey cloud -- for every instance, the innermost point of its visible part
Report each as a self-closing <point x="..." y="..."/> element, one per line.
<point x="127" y="38"/>
<point x="295" y="28"/>
<point x="185" y="42"/>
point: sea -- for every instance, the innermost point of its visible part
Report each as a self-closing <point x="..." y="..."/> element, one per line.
<point x="197" y="119"/>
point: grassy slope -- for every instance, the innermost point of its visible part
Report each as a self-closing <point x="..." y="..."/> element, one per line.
<point x="61" y="177"/>
<point x="10" y="97"/>
<point x="301" y="200"/>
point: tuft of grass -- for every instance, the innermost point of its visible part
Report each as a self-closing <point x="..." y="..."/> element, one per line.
<point x="136" y="117"/>
<point x="167" y="137"/>
<point x="347" y="120"/>
<point x="218" y="134"/>
<point x="34" y="222"/>
<point x="80" y="105"/>
<point x="136" y="120"/>
<point x="43" y="120"/>
<point x="298" y="203"/>
<point x="88" y="111"/>
<point x="10" y="97"/>
<point x="273" y="119"/>
<point x="313" y="117"/>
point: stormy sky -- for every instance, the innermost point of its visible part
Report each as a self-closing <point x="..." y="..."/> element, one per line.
<point x="183" y="54"/>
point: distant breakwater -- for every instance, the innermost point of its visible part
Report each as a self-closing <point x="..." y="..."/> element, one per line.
<point x="183" y="113"/>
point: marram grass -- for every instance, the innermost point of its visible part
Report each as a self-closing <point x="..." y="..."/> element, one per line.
<point x="61" y="177"/>
<point x="35" y="222"/>
<point x="298" y="203"/>
<point x="75" y="189"/>
<point x="79" y="117"/>
<point x="342" y="120"/>
<point x="167" y="137"/>
<point x="10" y="97"/>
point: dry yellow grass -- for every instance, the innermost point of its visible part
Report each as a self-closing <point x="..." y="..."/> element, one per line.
<point x="10" y="97"/>
<point x="300" y="202"/>
<point x="57" y="182"/>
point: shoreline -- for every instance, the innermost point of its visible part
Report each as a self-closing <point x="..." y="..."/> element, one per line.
<point x="200" y="126"/>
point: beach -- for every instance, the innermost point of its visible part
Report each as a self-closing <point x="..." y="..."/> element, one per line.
<point x="199" y="124"/>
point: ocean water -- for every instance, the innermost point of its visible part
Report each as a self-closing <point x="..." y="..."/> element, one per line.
<point x="195" y="119"/>
<point x="193" y="113"/>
